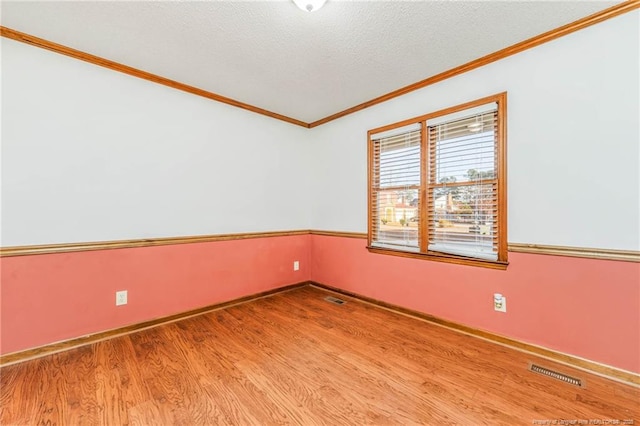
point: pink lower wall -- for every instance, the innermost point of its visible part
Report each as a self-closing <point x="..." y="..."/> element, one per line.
<point x="54" y="297"/>
<point x="588" y="308"/>
<point x="584" y="307"/>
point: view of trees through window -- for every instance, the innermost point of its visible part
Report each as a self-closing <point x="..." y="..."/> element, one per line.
<point x="459" y="210"/>
<point x="462" y="201"/>
<point x="437" y="185"/>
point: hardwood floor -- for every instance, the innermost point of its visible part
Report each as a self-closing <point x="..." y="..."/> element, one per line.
<point x="294" y="358"/>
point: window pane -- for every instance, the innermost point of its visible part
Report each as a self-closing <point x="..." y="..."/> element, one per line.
<point x="465" y="150"/>
<point x="464" y="220"/>
<point x="454" y="160"/>
<point x="397" y="218"/>
<point x="399" y="162"/>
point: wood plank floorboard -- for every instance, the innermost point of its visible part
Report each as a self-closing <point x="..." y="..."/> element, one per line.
<point x="294" y="358"/>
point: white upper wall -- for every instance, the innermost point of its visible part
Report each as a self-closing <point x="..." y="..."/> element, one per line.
<point x="89" y="154"/>
<point x="573" y="140"/>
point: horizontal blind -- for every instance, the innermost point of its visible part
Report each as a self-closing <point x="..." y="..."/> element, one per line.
<point x="395" y="188"/>
<point x="463" y="186"/>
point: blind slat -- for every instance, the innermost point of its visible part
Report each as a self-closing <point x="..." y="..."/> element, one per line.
<point x="463" y="219"/>
<point x="459" y="219"/>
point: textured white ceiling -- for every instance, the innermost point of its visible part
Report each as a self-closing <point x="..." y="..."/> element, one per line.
<point x="277" y="57"/>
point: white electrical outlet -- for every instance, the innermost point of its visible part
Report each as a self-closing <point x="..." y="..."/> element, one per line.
<point x="296" y="265"/>
<point x="121" y="297"/>
<point x="499" y="303"/>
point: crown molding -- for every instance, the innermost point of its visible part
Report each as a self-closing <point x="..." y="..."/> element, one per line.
<point x="564" y="30"/>
<point x="97" y="60"/>
<point x="572" y="27"/>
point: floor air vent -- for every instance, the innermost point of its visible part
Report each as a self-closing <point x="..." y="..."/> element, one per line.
<point x="335" y="300"/>
<point x="556" y="375"/>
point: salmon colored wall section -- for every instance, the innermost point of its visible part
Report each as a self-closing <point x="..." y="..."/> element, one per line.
<point x="584" y="307"/>
<point x="53" y="297"/>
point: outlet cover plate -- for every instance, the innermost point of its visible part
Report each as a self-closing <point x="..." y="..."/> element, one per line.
<point x="503" y="308"/>
<point x="121" y="297"/>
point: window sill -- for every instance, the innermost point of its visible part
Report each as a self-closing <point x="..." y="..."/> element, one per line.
<point x="442" y="257"/>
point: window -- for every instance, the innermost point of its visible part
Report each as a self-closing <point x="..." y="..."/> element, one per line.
<point x="437" y="185"/>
